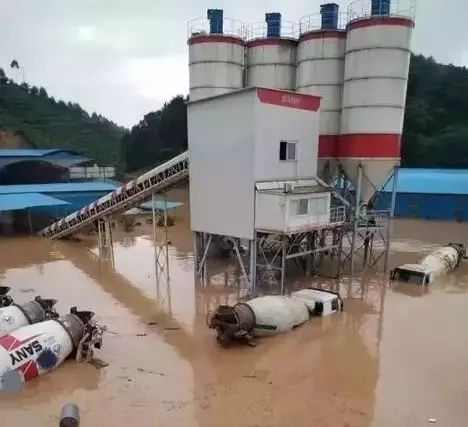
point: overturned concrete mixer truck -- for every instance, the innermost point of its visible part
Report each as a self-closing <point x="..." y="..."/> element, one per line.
<point x="14" y="316"/>
<point x="39" y="348"/>
<point x="440" y="261"/>
<point x="270" y="315"/>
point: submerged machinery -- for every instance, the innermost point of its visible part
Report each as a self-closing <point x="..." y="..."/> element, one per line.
<point x="15" y="316"/>
<point x="270" y="315"/>
<point x="440" y="261"/>
<point x="40" y="348"/>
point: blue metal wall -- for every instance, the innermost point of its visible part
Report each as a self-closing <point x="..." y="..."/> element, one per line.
<point x="428" y="206"/>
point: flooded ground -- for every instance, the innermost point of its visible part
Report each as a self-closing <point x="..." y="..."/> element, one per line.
<point x="397" y="356"/>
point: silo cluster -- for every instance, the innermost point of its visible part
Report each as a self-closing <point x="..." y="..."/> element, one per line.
<point x="358" y="63"/>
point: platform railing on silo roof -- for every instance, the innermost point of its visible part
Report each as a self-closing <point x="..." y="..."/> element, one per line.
<point x="259" y="30"/>
<point x="202" y="27"/>
<point x="313" y="22"/>
<point x="358" y="9"/>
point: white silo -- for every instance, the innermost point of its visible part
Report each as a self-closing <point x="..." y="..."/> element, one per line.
<point x="216" y="55"/>
<point x="374" y="92"/>
<point x="271" y="54"/>
<point x="320" y="71"/>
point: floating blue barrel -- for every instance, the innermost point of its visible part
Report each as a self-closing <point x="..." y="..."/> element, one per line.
<point x="216" y="20"/>
<point x="273" y="21"/>
<point x="380" y="7"/>
<point x="329" y="14"/>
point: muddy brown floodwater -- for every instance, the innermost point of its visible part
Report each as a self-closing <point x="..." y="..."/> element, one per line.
<point x="397" y="356"/>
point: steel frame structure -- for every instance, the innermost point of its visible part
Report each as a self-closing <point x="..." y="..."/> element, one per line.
<point x="202" y="242"/>
<point x="276" y="252"/>
<point x="368" y="232"/>
<point x="160" y="242"/>
<point x="105" y="244"/>
<point x="123" y="198"/>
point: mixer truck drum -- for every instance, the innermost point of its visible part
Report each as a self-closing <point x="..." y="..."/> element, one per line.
<point x="232" y="323"/>
<point x="5" y="299"/>
<point x="38" y="310"/>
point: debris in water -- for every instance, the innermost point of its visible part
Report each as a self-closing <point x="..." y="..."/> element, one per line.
<point x="141" y="335"/>
<point x="27" y="290"/>
<point x="152" y="323"/>
<point x="147" y="371"/>
<point x="70" y="416"/>
<point x="172" y="328"/>
<point x="432" y="420"/>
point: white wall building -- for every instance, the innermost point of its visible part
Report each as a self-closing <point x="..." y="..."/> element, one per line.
<point x="252" y="137"/>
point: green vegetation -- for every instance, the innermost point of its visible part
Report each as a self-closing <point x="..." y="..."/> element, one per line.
<point x="436" y="124"/>
<point x="435" y="129"/>
<point x="160" y="136"/>
<point x="43" y="122"/>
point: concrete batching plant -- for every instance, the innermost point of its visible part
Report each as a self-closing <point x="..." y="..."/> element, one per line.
<point x="357" y="63"/>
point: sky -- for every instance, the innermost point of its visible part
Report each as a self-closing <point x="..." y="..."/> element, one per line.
<point x="125" y="58"/>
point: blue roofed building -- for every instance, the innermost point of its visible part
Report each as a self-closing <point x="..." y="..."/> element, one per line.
<point x="27" y="166"/>
<point x="429" y="194"/>
<point x="40" y="185"/>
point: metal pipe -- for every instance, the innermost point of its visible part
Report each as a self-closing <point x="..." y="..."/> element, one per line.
<point x="166" y="236"/>
<point x="70" y="416"/>
<point x="356" y="217"/>
<point x="283" y="262"/>
<point x="205" y="254"/>
<point x="390" y="218"/>
<point x="236" y="249"/>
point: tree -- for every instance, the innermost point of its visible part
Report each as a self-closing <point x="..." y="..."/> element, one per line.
<point x="161" y="135"/>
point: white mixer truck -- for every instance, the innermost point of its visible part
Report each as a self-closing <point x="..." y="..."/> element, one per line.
<point x="39" y="348"/>
<point x="270" y="315"/>
<point x="440" y="261"/>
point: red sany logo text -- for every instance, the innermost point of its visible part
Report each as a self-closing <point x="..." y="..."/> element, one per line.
<point x="290" y="99"/>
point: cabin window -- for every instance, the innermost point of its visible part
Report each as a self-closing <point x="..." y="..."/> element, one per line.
<point x="315" y="206"/>
<point x="318" y="206"/>
<point x="287" y="151"/>
<point x="302" y="207"/>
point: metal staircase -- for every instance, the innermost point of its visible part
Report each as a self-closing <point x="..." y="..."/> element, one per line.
<point x="123" y="198"/>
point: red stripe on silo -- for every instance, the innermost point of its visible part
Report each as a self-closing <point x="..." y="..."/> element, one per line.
<point x="370" y="145"/>
<point x="300" y="101"/>
<point x="384" y="20"/>
<point x="323" y="34"/>
<point x="328" y="146"/>
<point x="215" y="39"/>
<point x="271" y="42"/>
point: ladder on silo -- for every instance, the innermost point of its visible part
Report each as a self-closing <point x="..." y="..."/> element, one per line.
<point x="129" y="195"/>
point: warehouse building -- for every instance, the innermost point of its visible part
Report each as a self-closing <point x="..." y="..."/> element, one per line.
<point x="35" y="166"/>
<point x="429" y="194"/>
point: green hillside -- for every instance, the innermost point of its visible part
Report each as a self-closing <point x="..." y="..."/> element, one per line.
<point x="43" y="122"/>
<point x="436" y="123"/>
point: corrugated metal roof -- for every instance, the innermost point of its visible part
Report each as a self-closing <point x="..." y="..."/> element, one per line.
<point x="30" y="152"/>
<point x="14" y="202"/>
<point x="58" y="187"/>
<point x="431" y="181"/>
